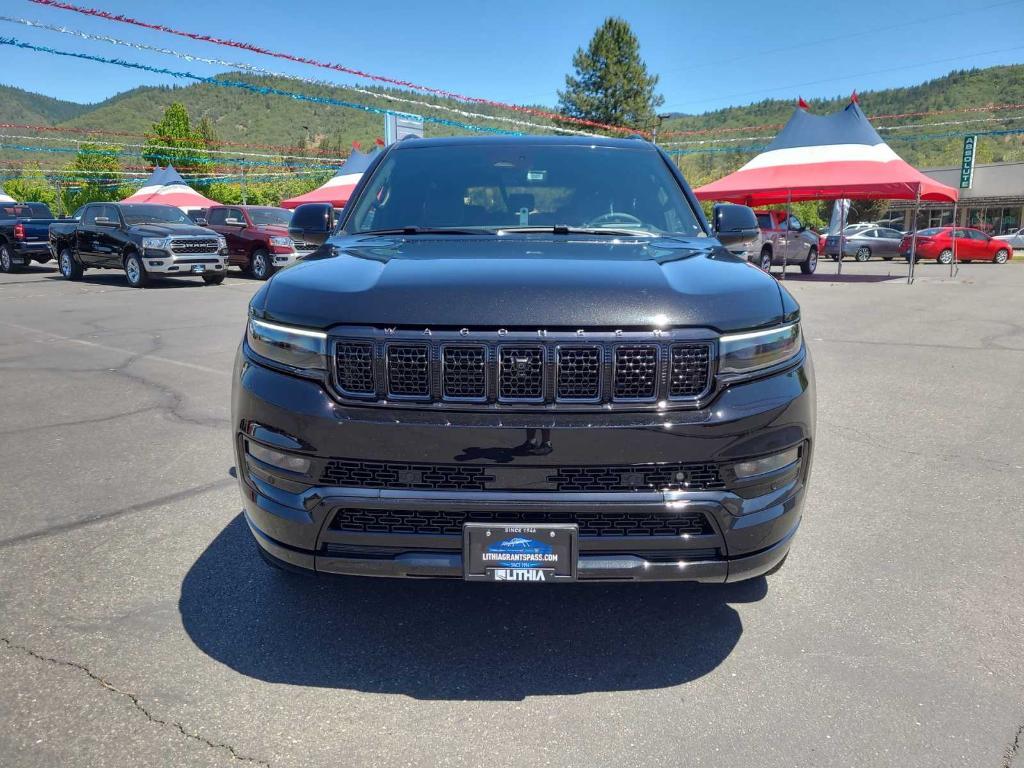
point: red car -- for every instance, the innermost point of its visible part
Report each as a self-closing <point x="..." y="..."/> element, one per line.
<point x="971" y="245"/>
<point x="257" y="237"/>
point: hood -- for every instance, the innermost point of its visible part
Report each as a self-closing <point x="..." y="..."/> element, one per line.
<point x="171" y="230"/>
<point x="526" y="282"/>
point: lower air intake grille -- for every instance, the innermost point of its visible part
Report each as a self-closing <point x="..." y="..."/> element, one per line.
<point x="442" y="523"/>
<point x="691" y="370"/>
<point x="379" y="474"/>
<point x="653" y="477"/>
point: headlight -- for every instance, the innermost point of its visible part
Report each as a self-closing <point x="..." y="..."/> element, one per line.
<point x="222" y="243"/>
<point x="749" y="352"/>
<point x="156" y="243"/>
<point x="277" y="459"/>
<point x="294" y="347"/>
<point x="285" y="241"/>
<point x="755" y="467"/>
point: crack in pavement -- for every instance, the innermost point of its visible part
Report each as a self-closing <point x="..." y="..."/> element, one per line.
<point x="141" y="506"/>
<point x="1014" y="749"/>
<point x="136" y="702"/>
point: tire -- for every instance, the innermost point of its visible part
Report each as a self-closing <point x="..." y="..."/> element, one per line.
<point x="214" y="279"/>
<point x="1001" y="256"/>
<point x="135" y="272"/>
<point x="765" y="260"/>
<point x="69" y="267"/>
<point x="863" y="254"/>
<point x="6" y="262"/>
<point x="946" y="257"/>
<point x="260" y="265"/>
<point x="887" y="258"/>
<point x="811" y="263"/>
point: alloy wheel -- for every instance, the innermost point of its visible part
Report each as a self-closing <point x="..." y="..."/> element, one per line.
<point x="5" y="259"/>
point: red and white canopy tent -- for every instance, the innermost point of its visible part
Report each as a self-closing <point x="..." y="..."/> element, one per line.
<point x="827" y="157"/>
<point x="166" y="187"/>
<point x="339" y="187"/>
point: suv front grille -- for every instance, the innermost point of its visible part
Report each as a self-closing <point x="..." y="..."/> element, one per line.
<point x="467" y="477"/>
<point x="449" y="523"/>
<point x="408" y="370"/>
<point x="194" y="245"/>
<point x="509" y="370"/>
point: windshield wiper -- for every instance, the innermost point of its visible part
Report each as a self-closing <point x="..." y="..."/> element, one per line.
<point x="427" y="231"/>
<point x="561" y="229"/>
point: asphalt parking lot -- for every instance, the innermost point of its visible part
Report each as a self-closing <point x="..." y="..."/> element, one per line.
<point x="138" y="626"/>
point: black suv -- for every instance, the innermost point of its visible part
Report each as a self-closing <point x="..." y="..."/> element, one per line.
<point x="524" y="359"/>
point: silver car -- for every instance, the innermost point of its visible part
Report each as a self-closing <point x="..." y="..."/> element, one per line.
<point x="864" y="243"/>
<point x="1015" y="239"/>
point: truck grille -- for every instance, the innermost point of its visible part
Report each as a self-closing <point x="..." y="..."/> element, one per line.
<point x="602" y="368"/>
<point x="445" y="523"/>
<point x="465" y="477"/>
<point x="194" y="245"/>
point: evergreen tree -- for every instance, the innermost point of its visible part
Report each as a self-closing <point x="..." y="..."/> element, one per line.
<point x="611" y="83"/>
<point x="173" y="141"/>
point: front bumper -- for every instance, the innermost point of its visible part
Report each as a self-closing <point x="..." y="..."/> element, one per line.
<point x="167" y="263"/>
<point x="748" y="526"/>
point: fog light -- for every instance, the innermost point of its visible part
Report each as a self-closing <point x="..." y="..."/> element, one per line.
<point x="277" y="459"/>
<point x="754" y="467"/>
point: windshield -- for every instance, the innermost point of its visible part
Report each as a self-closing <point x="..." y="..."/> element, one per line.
<point x="274" y="217"/>
<point x="493" y="186"/>
<point x="153" y="214"/>
<point x="27" y="211"/>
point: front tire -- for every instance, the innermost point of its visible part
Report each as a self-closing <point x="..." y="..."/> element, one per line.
<point x="135" y="272"/>
<point x="863" y="254"/>
<point x="1001" y="256"/>
<point x="260" y="266"/>
<point x="946" y="257"/>
<point x="765" y="262"/>
<point x="6" y="263"/>
<point x="214" y="279"/>
<point x="69" y="268"/>
<point x="811" y="263"/>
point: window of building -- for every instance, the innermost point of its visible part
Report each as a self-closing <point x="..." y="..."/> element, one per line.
<point x="995" y="220"/>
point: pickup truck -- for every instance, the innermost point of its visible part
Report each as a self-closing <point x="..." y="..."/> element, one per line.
<point x="23" y="234"/>
<point x="144" y="240"/>
<point x="257" y="237"/>
<point x="785" y="240"/>
<point x="548" y="368"/>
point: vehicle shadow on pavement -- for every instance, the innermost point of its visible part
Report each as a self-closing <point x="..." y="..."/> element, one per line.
<point x="451" y="639"/>
<point x="117" y="279"/>
<point x="824" y="277"/>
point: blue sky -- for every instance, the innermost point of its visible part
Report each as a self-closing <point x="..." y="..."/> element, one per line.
<point x="708" y="55"/>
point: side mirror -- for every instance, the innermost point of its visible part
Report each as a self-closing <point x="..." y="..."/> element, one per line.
<point x="200" y="221"/>
<point x="312" y="223"/>
<point x="734" y="224"/>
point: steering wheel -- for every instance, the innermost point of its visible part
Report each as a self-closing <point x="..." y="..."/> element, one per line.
<point x="615" y="218"/>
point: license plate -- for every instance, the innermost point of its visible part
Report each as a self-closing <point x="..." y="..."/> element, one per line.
<point x="198" y="269"/>
<point x="523" y="553"/>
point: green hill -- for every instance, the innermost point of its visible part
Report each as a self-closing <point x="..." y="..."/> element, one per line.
<point x="240" y="116"/>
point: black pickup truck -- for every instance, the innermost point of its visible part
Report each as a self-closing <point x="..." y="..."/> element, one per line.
<point x="144" y="240"/>
<point x="524" y="359"/>
<point x="23" y="234"/>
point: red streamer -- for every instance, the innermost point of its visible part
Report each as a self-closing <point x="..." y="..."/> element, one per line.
<point x="328" y="65"/>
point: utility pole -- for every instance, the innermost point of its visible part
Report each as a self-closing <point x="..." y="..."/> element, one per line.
<point x="245" y="197"/>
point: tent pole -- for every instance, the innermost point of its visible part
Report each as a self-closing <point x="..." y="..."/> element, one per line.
<point x="789" y="233"/>
<point x="844" y="211"/>
<point x="913" y="242"/>
<point x="953" y="268"/>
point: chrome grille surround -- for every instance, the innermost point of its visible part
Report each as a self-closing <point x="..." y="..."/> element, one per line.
<point x="523" y="370"/>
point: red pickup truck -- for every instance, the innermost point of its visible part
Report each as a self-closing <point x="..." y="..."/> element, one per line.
<point x="257" y="237"/>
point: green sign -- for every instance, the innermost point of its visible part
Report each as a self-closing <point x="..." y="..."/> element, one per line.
<point x="967" y="166"/>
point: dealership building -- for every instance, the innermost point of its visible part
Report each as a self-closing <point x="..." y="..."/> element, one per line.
<point x="993" y="204"/>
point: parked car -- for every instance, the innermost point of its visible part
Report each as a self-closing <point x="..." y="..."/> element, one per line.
<point x="1015" y="239"/>
<point x="23" y="234"/>
<point x="144" y="240"/>
<point x="971" y="245"/>
<point x="864" y="242"/>
<point x="565" y="376"/>
<point x="257" y="237"/>
<point x="786" y="241"/>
